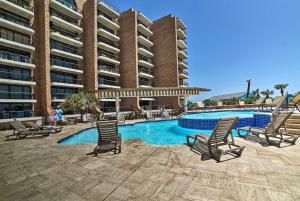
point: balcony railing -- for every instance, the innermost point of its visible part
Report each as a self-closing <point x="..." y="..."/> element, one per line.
<point x="12" y="37"/>
<point x="108" y="42"/>
<point x="108" y="69"/>
<point x="64" y="48"/>
<point x="60" y="95"/>
<point x="184" y="84"/>
<point x="110" y="5"/>
<point x="145" y="83"/>
<point x="144" y="47"/>
<point x="145" y="59"/>
<point x="64" y="79"/>
<point x="15" y="76"/>
<point x="184" y="41"/>
<point x="15" y="57"/>
<point x="64" y="17"/>
<point x="108" y="17"/>
<point x="139" y="22"/>
<point x="18" y="114"/>
<point x="183" y="50"/>
<point x="69" y="5"/>
<point x="22" y="3"/>
<point x="146" y="71"/>
<point x="108" y="55"/>
<point x="65" y="32"/>
<point x="100" y="26"/>
<point x="183" y="61"/>
<point x="178" y="27"/>
<point x="66" y="64"/>
<point x="143" y="35"/>
<point x="16" y="95"/>
<point x="108" y="82"/>
<point x="184" y="72"/>
<point x="14" y="18"/>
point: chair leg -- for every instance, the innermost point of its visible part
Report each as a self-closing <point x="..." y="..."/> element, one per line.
<point x="272" y="142"/>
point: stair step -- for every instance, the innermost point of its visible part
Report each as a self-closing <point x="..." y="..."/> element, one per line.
<point x="293" y="126"/>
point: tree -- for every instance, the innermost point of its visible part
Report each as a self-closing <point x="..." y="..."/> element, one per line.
<point x="248" y="87"/>
<point x="267" y="93"/>
<point x="281" y="87"/>
<point x="82" y="102"/>
<point x="256" y="93"/>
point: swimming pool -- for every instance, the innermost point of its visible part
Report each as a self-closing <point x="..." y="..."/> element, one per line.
<point x="218" y="114"/>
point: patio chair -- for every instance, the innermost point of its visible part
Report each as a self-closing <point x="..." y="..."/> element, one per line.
<point x="108" y="137"/>
<point x="165" y="115"/>
<point x="149" y="115"/>
<point x="293" y="103"/>
<point x="274" y="103"/>
<point x="121" y="118"/>
<point x="274" y="133"/>
<point x="52" y="129"/>
<point x="220" y="103"/>
<point x="20" y="131"/>
<point x="201" y="105"/>
<point x="218" y="138"/>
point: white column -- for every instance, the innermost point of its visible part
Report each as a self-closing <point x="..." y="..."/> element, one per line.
<point x="117" y="106"/>
<point x="185" y="104"/>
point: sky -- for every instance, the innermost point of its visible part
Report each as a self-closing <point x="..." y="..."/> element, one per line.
<point x="231" y="41"/>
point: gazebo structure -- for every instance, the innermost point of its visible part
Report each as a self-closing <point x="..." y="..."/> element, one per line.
<point x="149" y="92"/>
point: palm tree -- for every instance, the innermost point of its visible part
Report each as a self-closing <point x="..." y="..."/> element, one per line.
<point x="281" y="87"/>
<point x="256" y="93"/>
<point x="248" y="88"/>
<point x="267" y="93"/>
<point x="82" y="102"/>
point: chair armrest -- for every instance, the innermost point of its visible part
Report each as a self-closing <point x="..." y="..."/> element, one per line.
<point x="200" y="138"/>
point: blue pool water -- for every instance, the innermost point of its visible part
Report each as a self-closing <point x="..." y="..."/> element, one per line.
<point x="159" y="132"/>
<point x="217" y="115"/>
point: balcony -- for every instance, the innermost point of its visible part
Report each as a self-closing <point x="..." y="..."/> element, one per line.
<point x="65" y="22"/>
<point x="16" y="23"/>
<point x="144" y="61"/>
<point x="183" y="83"/>
<point x="143" y="29"/>
<point x="65" y="51"/>
<point x="183" y="74"/>
<point x="143" y="40"/>
<point x="108" y="70"/>
<point x="59" y="97"/>
<point x="107" y="33"/>
<point x="67" y="8"/>
<point x="64" y="36"/>
<point x="146" y="73"/>
<point x="145" y="84"/>
<point x="144" y="51"/>
<point x="105" y="83"/>
<point x="20" y="7"/>
<point x="111" y="58"/>
<point x="180" y="23"/>
<point x="108" y="45"/>
<point x="18" y="114"/>
<point x="16" y="60"/>
<point x="182" y="54"/>
<point x="181" y="33"/>
<point x="63" y="66"/>
<point x="16" y="78"/>
<point x="108" y="8"/>
<point x="62" y="81"/>
<point x="16" y="97"/>
<point x="107" y="22"/>
<point x="15" y="42"/>
<point x="182" y="44"/>
<point x="143" y="19"/>
<point x="182" y="63"/>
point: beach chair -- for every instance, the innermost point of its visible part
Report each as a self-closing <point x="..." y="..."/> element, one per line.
<point x="218" y="138"/>
<point x="149" y="115"/>
<point x="108" y="137"/>
<point x="165" y="115"/>
<point x="293" y="103"/>
<point x="201" y="105"/>
<point x="274" y="133"/>
<point x="52" y="129"/>
<point x="219" y="104"/>
<point x="242" y="104"/>
<point x="20" y="131"/>
<point x="121" y="118"/>
<point x="274" y="103"/>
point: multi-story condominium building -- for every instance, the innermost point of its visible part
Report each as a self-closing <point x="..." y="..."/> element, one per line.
<point x="136" y="55"/>
<point x="17" y="85"/>
<point x="65" y="46"/>
<point x="59" y="42"/>
<point x="169" y="38"/>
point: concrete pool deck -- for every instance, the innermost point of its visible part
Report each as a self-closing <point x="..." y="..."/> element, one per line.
<point x="40" y="169"/>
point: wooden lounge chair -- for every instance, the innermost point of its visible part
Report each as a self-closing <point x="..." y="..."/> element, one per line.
<point x="20" y="131"/>
<point x="108" y="137"/>
<point x="52" y="129"/>
<point x="274" y="103"/>
<point x="274" y="133"/>
<point x="218" y="138"/>
<point x="293" y="103"/>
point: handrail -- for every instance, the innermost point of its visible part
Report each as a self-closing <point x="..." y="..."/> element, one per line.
<point x="65" y="32"/>
<point x="15" y="76"/>
<point x="60" y="95"/>
<point x="18" y="114"/>
<point x="145" y="83"/>
<point x="110" y="5"/>
<point x="14" y="18"/>
<point x="145" y="70"/>
<point x="69" y="5"/>
<point x="23" y="4"/>
<point x="109" y="55"/>
<point x="108" y="68"/>
<point x="15" y="57"/>
<point x="12" y="37"/>
<point x="16" y="95"/>
<point x="64" y="17"/>
<point x="64" y="64"/>
<point x="107" y="41"/>
<point x="64" y="79"/>
<point x="60" y="46"/>
<point x="108" y="82"/>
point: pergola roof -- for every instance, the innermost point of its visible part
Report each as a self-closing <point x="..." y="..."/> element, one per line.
<point x="150" y="92"/>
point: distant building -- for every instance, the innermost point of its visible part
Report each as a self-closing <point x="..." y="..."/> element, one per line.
<point x="238" y="95"/>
